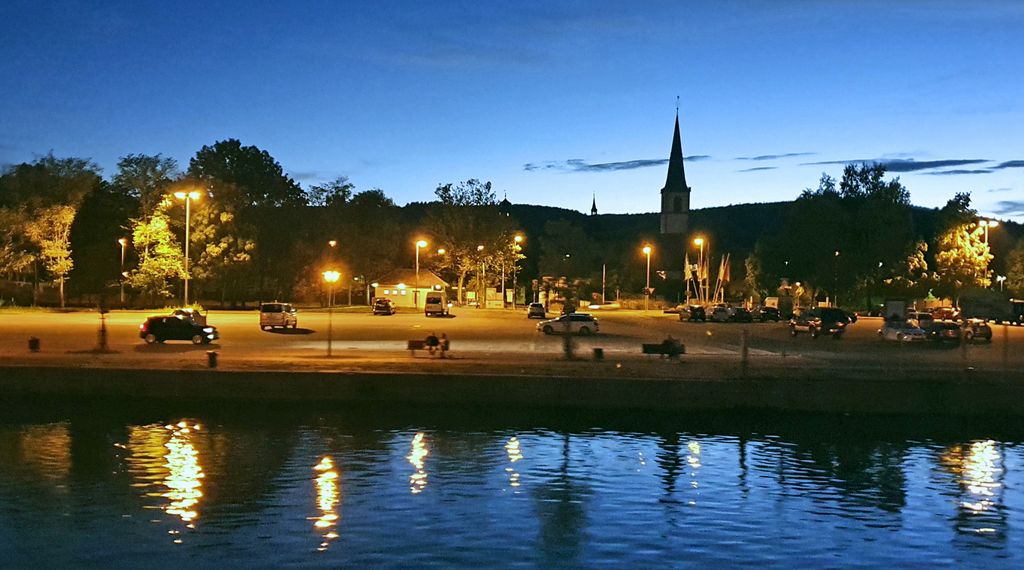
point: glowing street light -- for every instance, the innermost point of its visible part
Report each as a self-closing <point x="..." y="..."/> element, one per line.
<point x="416" y="292"/>
<point x="331" y="277"/>
<point x="701" y="293"/>
<point x="188" y="197"/>
<point x="647" y="290"/>
<point x="988" y="224"/>
<point x="516" y="248"/>
<point x="124" y="244"/>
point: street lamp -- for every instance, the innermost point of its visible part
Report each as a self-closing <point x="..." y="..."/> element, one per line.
<point x="988" y="224"/>
<point x="331" y="277"/>
<point x="647" y="290"/>
<point x="1000" y="279"/>
<point x="482" y="300"/>
<point x="416" y="292"/>
<point x="516" y="248"/>
<point x="187" y="197"/>
<point x="835" y="279"/>
<point x="124" y="244"/>
<point x="701" y="293"/>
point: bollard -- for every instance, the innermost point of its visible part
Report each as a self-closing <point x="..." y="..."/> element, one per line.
<point x="598" y="354"/>
<point x="33" y="344"/>
<point x="211" y="358"/>
<point x="744" y="352"/>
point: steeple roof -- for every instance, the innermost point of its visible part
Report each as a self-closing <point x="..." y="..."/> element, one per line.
<point x="593" y="206"/>
<point x="676" y="179"/>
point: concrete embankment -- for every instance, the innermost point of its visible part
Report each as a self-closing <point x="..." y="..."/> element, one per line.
<point x="957" y="396"/>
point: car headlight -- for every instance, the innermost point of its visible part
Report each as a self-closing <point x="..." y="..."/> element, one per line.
<point x="208" y="329"/>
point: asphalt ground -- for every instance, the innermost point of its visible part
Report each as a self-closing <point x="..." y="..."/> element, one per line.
<point x="494" y="340"/>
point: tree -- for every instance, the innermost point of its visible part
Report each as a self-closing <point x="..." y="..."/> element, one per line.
<point x="465" y="217"/>
<point x="15" y="253"/>
<point x="962" y="256"/>
<point x="50" y="231"/>
<point x="1015" y="269"/>
<point x="160" y="257"/>
<point x="337" y="192"/>
<point x="146" y="178"/>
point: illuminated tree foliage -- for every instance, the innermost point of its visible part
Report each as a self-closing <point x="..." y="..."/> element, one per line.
<point x="50" y="231"/>
<point x="1015" y="269"/>
<point x="161" y="262"/>
<point x="962" y="256"/>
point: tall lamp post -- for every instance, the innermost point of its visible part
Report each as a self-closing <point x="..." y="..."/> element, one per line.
<point x="835" y="279"/>
<point x="516" y="248"/>
<point x="701" y="296"/>
<point x="187" y="197"/>
<point x="482" y="301"/>
<point x="331" y="277"/>
<point x="330" y="260"/>
<point x="124" y="244"/>
<point x="647" y="290"/>
<point x="416" y="292"/>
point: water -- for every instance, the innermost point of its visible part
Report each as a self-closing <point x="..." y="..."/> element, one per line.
<point x="122" y="486"/>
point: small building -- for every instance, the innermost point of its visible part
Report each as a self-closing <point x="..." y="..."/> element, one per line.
<point x="405" y="290"/>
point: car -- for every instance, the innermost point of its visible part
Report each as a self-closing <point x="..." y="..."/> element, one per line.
<point x="765" y="314"/>
<point x="977" y="329"/>
<point x="383" y="306"/>
<point x="436" y="304"/>
<point x="720" y="314"/>
<point x="575" y="323"/>
<point x="946" y="314"/>
<point x="741" y="315"/>
<point x="273" y="315"/>
<point x="536" y="310"/>
<point x="943" y="332"/>
<point x="922" y="319"/>
<point x="693" y="313"/>
<point x="901" y="331"/>
<point x="819" y="320"/>
<point x="164" y="328"/>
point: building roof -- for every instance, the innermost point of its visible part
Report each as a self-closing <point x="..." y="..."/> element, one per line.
<point x="676" y="179"/>
<point x="408" y="276"/>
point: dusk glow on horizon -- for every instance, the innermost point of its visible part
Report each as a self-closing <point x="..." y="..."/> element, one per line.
<point x="557" y="104"/>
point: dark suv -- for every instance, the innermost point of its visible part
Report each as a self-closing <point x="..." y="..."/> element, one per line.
<point x="159" y="329"/>
<point x="383" y="306"/>
<point x="536" y="310"/>
<point x="820" y="320"/>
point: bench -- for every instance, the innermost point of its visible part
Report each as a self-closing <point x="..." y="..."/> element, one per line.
<point x="663" y="349"/>
<point x="413" y="345"/>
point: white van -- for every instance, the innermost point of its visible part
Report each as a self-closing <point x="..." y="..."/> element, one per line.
<point x="436" y="304"/>
<point x="276" y="314"/>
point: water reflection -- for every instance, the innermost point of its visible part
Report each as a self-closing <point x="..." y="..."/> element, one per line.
<point x="166" y="457"/>
<point x="979" y="471"/>
<point x="418" y="479"/>
<point x="46" y="449"/>
<point x="328" y="495"/>
<point x="514" y="453"/>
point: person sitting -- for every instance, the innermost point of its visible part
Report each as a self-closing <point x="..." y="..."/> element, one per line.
<point x="444" y="344"/>
<point x="431" y="342"/>
<point x="671" y="348"/>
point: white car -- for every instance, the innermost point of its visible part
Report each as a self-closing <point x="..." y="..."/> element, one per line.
<point x="720" y="314"/>
<point x="901" y="331"/>
<point x="574" y="323"/>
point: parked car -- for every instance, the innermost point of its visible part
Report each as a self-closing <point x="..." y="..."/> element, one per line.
<point x="575" y="323"/>
<point x="820" y="320"/>
<point x="765" y="314"/>
<point x="383" y="306"/>
<point x="436" y="304"/>
<point x="741" y="315"/>
<point x="943" y="332"/>
<point x="273" y="315"/>
<point x="946" y="314"/>
<point x="921" y="319"/>
<point x="901" y="331"/>
<point x="693" y="313"/>
<point x="720" y="314"/>
<point x="160" y="329"/>
<point x="977" y="329"/>
<point x="536" y="310"/>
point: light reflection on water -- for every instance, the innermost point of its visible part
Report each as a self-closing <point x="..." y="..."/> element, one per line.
<point x="527" y="497"/>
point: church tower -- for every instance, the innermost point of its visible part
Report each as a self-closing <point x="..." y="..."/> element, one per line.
<point x="675" y="196"/>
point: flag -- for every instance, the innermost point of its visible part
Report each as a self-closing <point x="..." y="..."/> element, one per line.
<point x="728" y="276"/>
<point x="687" y="273"/>
<point x="721" y="270"/>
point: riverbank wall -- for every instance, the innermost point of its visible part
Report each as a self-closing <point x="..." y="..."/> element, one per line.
<point x="956" y="396"/>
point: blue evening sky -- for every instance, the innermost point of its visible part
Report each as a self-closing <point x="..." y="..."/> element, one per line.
<point x="552" y="101"/>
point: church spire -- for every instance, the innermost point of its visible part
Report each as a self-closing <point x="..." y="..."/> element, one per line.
<point x="593" y="206"/>
<point x="676" y="179"/>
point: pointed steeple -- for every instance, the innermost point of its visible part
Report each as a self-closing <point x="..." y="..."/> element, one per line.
<point x="593" y="206"/>
<point x="676" y="179"/>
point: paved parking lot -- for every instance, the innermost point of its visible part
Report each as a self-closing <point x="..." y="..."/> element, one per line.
<point x="487" y="337"/>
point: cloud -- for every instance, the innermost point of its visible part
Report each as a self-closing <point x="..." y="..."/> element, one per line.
<point x="999" y="189"/>
<point x="580" y="165"/>
<point x="958" y="171"/>
<point x="756" y="168"/>
<point x="904" y="164"/>
<point x="775" y="156"/>
<point x="1009" y="164"/>
<point x="305" y="175"/>
<point x="1010" y="207"/>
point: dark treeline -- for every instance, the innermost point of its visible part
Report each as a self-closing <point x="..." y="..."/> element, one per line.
<point x="256" y="234"/>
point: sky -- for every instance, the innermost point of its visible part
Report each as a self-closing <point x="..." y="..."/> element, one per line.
<point x="554" y="102"/>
